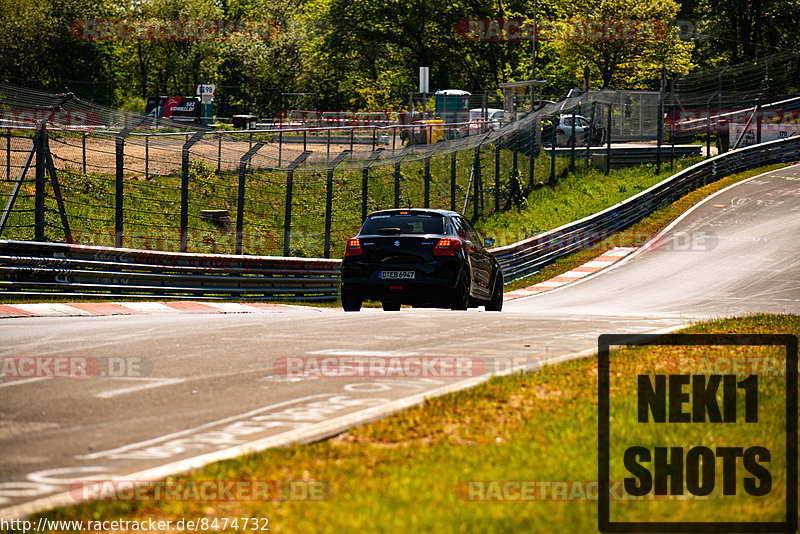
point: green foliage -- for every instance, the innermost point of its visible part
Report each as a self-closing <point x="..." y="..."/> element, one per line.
<point x="625" y="64"/>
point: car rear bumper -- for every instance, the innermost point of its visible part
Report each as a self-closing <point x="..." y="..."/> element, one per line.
<point x="433" y="285"/>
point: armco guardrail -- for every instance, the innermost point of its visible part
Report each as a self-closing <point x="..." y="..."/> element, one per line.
<point x="528" y="256"/>
<point x="61" y="269"/>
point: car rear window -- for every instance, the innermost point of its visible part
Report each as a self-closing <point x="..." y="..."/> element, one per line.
<point x="411" y="223"/>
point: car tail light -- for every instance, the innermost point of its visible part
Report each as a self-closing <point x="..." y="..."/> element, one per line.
<point x="447" y="246"/>
<point x="559" y="131"/>
<point x="353" y="247"/>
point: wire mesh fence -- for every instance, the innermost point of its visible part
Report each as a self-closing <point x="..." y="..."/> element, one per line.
<point x="77" y="172"/>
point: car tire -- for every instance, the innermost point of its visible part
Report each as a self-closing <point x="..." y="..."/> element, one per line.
<point x="390" y="305"/>
<point x="350" y="302"/>
<point x="495" y="304"/>
<point x="460" y="300"/>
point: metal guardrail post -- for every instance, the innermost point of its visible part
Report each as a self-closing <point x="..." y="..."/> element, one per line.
<point x="329" y="200"/>
<point x="243" y="164"/>
<point x="39" y="206"/>
<point x="287" y="219"/>
<point x="365" y="182"/>
<point x="185" y="188"/>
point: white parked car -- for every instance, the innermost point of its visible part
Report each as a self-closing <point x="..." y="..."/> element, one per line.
<point x="564" y="131"/>
<point x="477" y="124"/>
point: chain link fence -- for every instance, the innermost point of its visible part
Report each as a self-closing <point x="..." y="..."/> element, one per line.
<point x="77" y="172"/>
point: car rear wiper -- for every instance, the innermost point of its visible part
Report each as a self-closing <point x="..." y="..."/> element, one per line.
<point x="390" y="231"/>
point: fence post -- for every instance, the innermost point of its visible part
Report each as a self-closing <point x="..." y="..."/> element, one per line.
<point x="8" y="154"/>
<point x="39" y="205"/>
<point x="365" y="182"/>
<point x="287" y="219"/>
<point x="146" y="157"/>
<point x="608" y="139"/>
<point x="329" y="200"/>
<point x="397" y="184"/>
<point x="672" y="123"/>
<point x="280" y="147"/>
<point x="476" y="174"/>
<point x="427" y="180"/>
<point x="758" y="122"/>
<point x="119" y="191"/>
<point x="590" y="137"/>
<point x="62" y="210"/>
<point x="83" y="144"/>
<point x="185" y="189"/>
<point x="219" y="153"/>
<point x="453" y="180"/>
<point x="497" y="175"/>
<point x="243" y="164"/>
<point x="553" y="125"/>
<point x="660" y="123"/>
<point x="532" y="149"/>
<point x="572" y="139"/>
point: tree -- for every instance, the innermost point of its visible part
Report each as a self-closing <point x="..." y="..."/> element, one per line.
<point x="631" y="61"/>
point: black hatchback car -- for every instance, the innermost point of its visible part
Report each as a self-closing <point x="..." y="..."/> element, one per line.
<point x="420" y="257"/>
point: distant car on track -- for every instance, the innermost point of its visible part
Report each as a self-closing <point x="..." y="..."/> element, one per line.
<point x="423" y="258"/>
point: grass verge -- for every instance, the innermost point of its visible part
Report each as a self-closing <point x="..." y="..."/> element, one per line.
<point x="639" y="233"/>
<point x="411" y="471"/>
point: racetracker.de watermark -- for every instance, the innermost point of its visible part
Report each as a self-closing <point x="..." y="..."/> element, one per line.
<point x="74" y="367"/>
<point x="410" y="366"/>
<point x="199" y="490"/>
<point x="174" y="30"/>
<point x="540" y="490"/>
<point x="577" y="29"/>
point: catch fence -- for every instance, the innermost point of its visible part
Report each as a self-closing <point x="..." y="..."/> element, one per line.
<point x="75" y="172"/>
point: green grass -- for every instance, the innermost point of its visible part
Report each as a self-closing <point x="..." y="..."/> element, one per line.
<point x="639" y="233"/>
<point x="573" y="197"/>
<point x="408" y="472"/>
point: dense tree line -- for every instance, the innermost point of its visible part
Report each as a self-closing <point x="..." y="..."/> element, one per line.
<point x="362" y="54"/>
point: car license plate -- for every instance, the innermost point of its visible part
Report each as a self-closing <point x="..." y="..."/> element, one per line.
<point x="396" y="275"/>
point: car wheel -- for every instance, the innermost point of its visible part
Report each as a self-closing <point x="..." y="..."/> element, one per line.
<point x="350" y="302"/>
<point x="496" y="302"/>
<point x="390" y="305"/>
<point x="461" y="294"/>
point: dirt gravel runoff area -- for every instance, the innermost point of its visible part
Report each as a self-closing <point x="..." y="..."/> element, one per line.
<point x="162" y="154"/>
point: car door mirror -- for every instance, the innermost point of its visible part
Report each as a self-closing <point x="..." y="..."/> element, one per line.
<point x="488" y="242"/>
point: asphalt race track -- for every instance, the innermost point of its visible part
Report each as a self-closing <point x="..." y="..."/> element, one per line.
<point x="173" y="392"/>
